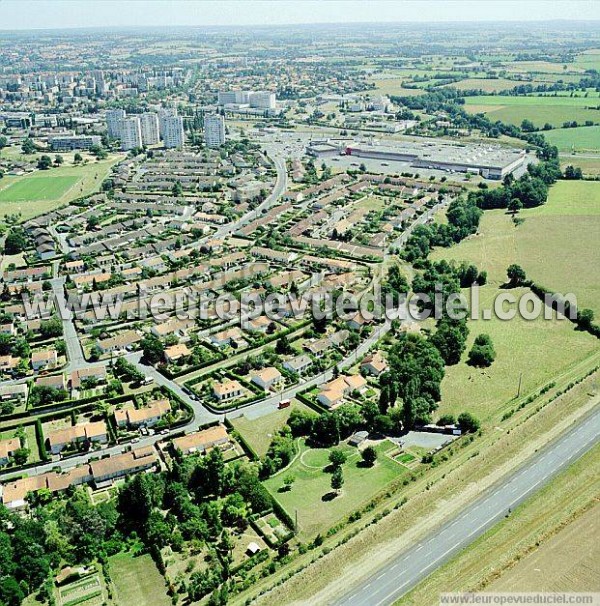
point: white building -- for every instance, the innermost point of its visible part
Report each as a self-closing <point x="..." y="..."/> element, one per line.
<point x="214" y="130"/>
<point x="131" y="133"/>
<point x="173" y="134"/>
<point x="263" y="100"/>
<point x="113" y="119"/>
<point x="150" y="129"/>
<point x="163" y="114"/>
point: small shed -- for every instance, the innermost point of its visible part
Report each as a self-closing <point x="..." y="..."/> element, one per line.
<point x="358" y="438"/>
<point x="253" y="548"/>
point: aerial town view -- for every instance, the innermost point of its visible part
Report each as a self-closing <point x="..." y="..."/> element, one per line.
<point x="299" y="302"/>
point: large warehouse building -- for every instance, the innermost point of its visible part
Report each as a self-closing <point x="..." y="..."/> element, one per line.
<point x="489" y="161"/>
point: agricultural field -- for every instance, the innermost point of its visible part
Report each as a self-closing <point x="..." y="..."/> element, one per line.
<point x="259" y="431"/>
<point x="569" y="222"/>
<point x="488" y="85"/>
<point x="310" y="495"/>
<point x="583" y="138"/>
<point x="52" y="188"/>
<point x="537" y="109"/>
<point x="137" y="581"/>
<point x="590" y="166"/>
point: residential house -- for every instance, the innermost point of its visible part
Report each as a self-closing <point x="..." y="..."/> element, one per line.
<point x="176" y="352"/>
<point x="227" y="390"/>
<point x="98" y="373"/>
<point x="266" y="378"/>
<point x="8" y="449"/>
<point x="148" y="416"/>
<point x="374" y="364"/>
<point x="201" y="441"/>
<point x="42" y="360"/>
<point x="118" y="342"/>
<point x="298" y="364"/>
<point x="333" y="393"/>
<point x="95" y="432"/>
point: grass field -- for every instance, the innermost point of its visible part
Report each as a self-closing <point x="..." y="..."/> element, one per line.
<point x="569" y="223"/>
<point x="259" y="432"/>
<point x="489" y="85"/>
<point x="589" y="166"/>
<point x="507" y="558"/>
<point x="584" y="138"/>
<point x="316" y="513"/>
<point x="137" y="581"/>
<point x="42" y="191"/>
<point x="39" y="186"/>
<point x="538" y="109"/>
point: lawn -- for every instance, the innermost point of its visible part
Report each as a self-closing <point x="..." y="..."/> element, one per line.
<point x="52" y="188"/>
<point x="137" y="581"/>
<point x="259" y="431"/>
<point x="309" y="495"/>
<point x="568" y="225"/>
<point x="583" y="138"/>
<point x="39" y="186"/>
<point x="538" y="109"/>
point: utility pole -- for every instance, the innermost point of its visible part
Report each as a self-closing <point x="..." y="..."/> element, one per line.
<point x="519" y="389"/>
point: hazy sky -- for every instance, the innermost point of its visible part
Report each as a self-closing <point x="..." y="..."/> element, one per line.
<point x="33" y="14"/>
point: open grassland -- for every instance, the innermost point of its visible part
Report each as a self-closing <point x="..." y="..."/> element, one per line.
<point x="589" y="59"/>
<point x="137" y="581"/>
<point x="259" y="432"/>
<point x="42" y="191"/>
<point x="537" y="109"/>
<point x="488" y="85"/>
<point x="589" y="166"/>
<point x="556" y="245"/>
<point x="311" y="494"/>
<point x="583" y="138"/>
<point x="549" y="543"/>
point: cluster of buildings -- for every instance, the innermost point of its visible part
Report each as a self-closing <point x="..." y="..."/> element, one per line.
<point x="247" y="98"/>
<point x="149" y="128"/>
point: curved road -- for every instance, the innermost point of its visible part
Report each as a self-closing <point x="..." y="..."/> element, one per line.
<point x="407" y="569"/>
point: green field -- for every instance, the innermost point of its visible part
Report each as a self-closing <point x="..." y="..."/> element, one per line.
<point x="584" y="138"/>
<point x="42" y="191"/>
<point x="318" y="514"/>
<point x="557" y="246"/>
<point x="37" y="187"/>
<point x="137" y="581"/>
<point x="538" y="109"/>
<point x="259" y="432"/>
<point x="589" y="165"/>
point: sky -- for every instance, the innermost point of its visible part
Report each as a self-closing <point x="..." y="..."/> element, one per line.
<point x="56" y="14"/>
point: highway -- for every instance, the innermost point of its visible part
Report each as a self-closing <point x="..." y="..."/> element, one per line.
<point x="407" y="569"/>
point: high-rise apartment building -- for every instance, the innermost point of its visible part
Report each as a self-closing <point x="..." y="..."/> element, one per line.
<point x="173" y="135"/>
<point x="214" y="130"/>
<point x="131" y="133"/>
<point x="149" y="128"/>
<point x="113" y="119"/>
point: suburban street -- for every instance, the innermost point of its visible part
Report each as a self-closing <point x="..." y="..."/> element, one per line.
<point x="408" y="568"/>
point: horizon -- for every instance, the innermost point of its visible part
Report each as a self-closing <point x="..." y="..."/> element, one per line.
<point x="58" y="15"/>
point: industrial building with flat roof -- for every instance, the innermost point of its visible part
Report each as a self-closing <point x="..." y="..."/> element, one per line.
<point x="489" y="161"/>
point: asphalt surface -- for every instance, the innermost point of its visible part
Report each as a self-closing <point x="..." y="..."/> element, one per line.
<point x="408" y="568"/>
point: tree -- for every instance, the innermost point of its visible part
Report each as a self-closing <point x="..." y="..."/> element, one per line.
<point x="337" y="458"/>
<point x="288" y="481"/>
<point x="58" y="160"/>
<point x="177" y="189"/>
<point x="15" y="242"/>
<point x="337" y="479"/>
<point x="77" y="158"/>
<point x="3" y="142"/>
<point x="28" y="146"/>
<point x="283" y="346"/>
<point x="482" y="353"/>
<point x="369" y="456"/>
<point x="585" y="319"/>
<point x="516" y="275"/>
<point x="44" y="163"/>
<point x="527" y="126"/>
<point x="152" y="348"/>
<point x="514" y="206"/>
<point x="21" y="455"/>
<point x="92" y="222"/>
<point x="468" y="423"/>
<point x="573" y="173"/>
